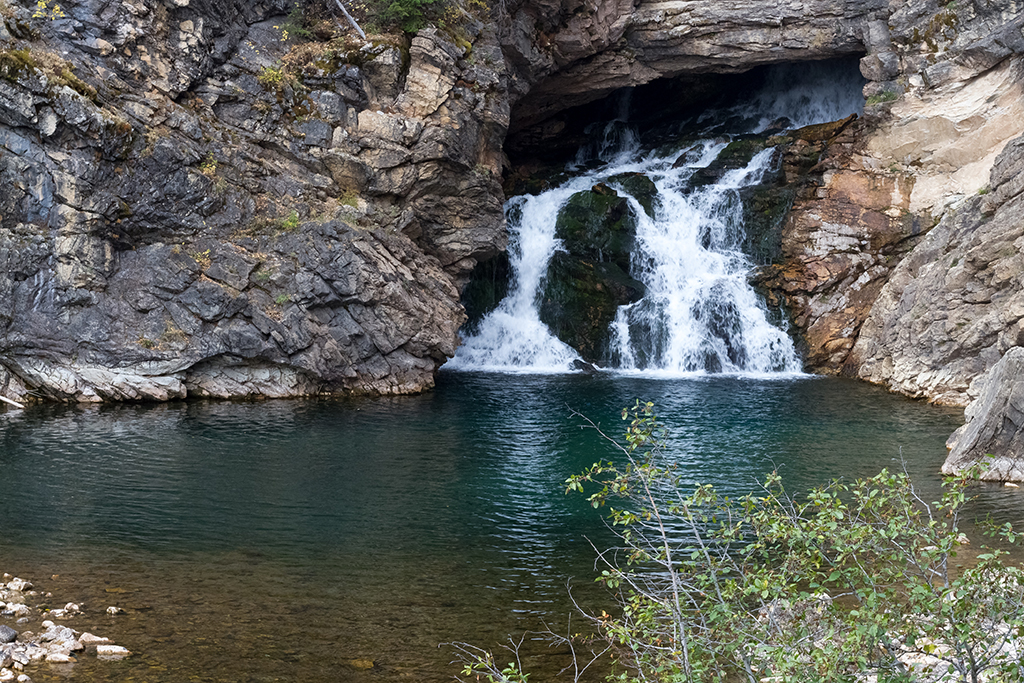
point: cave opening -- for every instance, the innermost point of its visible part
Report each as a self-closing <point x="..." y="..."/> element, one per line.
<point x="667" y="109"/>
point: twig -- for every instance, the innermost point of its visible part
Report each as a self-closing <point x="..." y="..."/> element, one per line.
<point x="13" y="403"/>
<point x="351" y="20"/>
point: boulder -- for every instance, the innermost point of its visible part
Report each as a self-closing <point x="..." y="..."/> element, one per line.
<point x="587" y="282"/>
<point x="597" y="225"/>
<point x="640" y="187"/>
<point x="993" y="436"/>
<point x="579" y="301"/>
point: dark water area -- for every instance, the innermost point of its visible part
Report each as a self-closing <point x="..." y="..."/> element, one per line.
<point x="298" y="540"/>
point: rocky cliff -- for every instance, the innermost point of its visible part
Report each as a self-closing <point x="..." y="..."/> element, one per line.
<point x="944" y="100"/>
<point x="195" y="204"/>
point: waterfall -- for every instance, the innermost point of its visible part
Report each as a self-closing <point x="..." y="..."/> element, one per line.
<point x="698" y="312"/>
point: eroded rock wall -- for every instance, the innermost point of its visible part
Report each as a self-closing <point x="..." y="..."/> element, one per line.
<point x="955" y="305"/>
<point x="585" y="50"/>
<point x="192" y="206"/>
<point x="944" y="99"/>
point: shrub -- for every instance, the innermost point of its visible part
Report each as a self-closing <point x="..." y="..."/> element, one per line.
<point x="886" y="96"/>
<point x="291" y="222"/>
<point x="408" y="15"/>
<point x="272" y="77"/>
<point x="294" y="26"/>
<point x="849" y="580"/>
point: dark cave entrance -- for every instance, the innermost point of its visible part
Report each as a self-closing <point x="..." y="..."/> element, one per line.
<point x="665" y="108"/>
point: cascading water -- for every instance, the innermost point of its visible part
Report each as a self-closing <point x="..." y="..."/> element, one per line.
<point x="698" y="313"/>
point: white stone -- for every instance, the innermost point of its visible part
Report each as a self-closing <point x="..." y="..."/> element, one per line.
<point x="6" y="675"/>
<point x="112" y="651"/>
<point x="114" y="610"/>
<point x="59" y="658"/>
<point x="90" y="639"/>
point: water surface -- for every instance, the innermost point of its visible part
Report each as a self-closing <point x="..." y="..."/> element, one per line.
<point x="290" y="540"/>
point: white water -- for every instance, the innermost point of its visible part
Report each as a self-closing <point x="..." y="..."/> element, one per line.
<point x="699" y="314"/>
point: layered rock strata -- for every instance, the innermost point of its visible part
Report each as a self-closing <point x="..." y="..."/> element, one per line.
<point x="193" y="206"/>
<point x="944" y="99"/>
<point x="955" y="305"/>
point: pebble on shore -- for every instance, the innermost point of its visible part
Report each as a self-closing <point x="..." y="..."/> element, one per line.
<point x="53" y="643"/>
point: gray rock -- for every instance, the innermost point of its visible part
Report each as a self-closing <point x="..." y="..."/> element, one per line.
<point x="7" y="634"/>
<point x="955" y="305"/>
<point x="993" y="436"/>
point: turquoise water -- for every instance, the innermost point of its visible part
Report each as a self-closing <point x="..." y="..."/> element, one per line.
<point x="297" y="540"/>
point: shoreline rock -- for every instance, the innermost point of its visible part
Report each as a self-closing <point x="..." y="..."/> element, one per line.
<point x="51" y="642"/>
<point x="993" y="436"/>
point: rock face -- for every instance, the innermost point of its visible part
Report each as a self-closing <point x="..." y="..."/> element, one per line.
<point x="279" y="315"/>
<point x="994" y="433"/>
<point x="944" y="99"/>
<point x="955" y="305"/>
<point x="192" y="206"/>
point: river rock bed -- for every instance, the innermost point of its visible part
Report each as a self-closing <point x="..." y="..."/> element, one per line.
<point x="29" y="635"/>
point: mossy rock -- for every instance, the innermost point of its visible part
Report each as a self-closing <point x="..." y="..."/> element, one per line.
<point x="15" y="64"/>
<point x="640" y="187"/>
<point x="598" y="226"/>
<point x="579" y="301"/>
<point x="737" y="154"/>
<point x="764" y="211"/>
<point x="488" y="285"/>
<point x="822" y="132"/>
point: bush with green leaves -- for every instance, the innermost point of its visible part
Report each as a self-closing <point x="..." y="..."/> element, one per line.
<point x="853" y="581"/>
<point x="408" y="15"/>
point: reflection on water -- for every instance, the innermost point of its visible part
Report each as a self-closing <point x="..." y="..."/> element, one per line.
<point x="285" y="540"/>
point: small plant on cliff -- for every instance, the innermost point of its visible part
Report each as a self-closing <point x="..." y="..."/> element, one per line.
<point x="208" y="166"/>
<point x="349" y="198"/>
<point x="408" y="15"/>
<point x="45" y="11"/>
<point x="886" y="96"/>
<point x="272" y="77"/>
<point x="849" y="580"/>
<point x="16" y="63"/>
<point x="294" y="26"/>
<point x="202" y="258"/>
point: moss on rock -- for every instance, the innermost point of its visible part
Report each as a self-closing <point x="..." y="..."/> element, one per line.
<point x="579" y="301"/>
